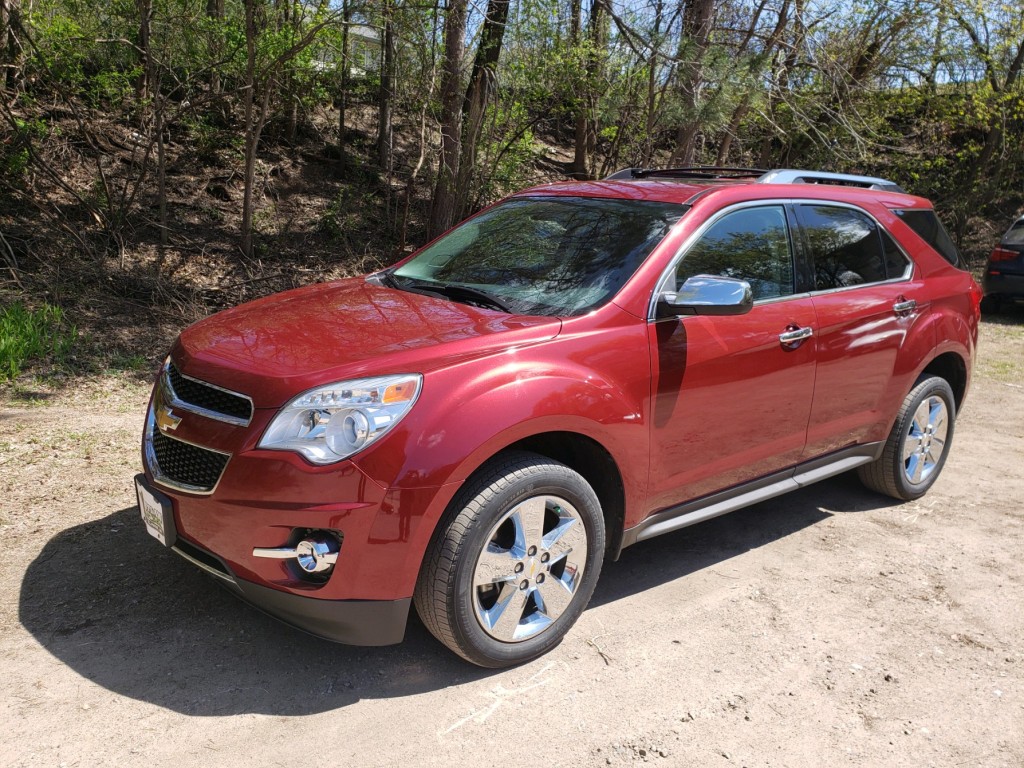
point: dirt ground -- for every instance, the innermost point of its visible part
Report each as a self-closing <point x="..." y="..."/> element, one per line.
<point x="828" y="627"/>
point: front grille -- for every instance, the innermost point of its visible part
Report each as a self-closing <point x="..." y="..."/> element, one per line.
<point x="192" y="392"/>
<point x="185" y="464"/>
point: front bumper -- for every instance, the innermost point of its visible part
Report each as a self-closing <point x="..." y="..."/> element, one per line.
<point x="357" y="622"/>
<point x="258" y="499"/>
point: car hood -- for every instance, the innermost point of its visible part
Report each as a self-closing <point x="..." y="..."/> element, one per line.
<point x="276" y="347"/>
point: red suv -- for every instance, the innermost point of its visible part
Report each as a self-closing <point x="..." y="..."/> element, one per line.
<point x="573" y="370"/>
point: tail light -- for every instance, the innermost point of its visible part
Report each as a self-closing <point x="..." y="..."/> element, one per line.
<point x="976" y="296"/>
<point x="1003" y="254"/>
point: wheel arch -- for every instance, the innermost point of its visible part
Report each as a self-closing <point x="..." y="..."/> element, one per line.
<point x="952" y="367"/>
<point x="597" y="466"/>
<point x="581" y="453"/>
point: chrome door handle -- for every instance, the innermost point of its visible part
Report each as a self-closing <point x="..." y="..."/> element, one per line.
<point x="904" y="305"/>
<point x="798" y="334"/>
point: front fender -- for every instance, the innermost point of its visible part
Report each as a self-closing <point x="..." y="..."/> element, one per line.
<point x="594" y="383"/>
<point x="463" y="422"/>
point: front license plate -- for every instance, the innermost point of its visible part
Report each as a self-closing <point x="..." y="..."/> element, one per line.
<point x="156" y="512"/>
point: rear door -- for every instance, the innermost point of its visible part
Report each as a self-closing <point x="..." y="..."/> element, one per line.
<point x="730" y="398"/>
<point x="865" y="303"/>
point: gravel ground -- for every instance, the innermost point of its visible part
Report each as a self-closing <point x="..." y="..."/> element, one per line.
<point x="828" y="627"/>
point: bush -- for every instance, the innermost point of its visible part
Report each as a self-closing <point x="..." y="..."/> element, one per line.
<point x="32" y="334"/>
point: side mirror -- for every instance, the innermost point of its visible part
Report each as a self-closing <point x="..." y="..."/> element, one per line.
<point x="707" y="295"/>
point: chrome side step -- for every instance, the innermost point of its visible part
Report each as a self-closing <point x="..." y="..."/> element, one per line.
<point x="762" y="489"/>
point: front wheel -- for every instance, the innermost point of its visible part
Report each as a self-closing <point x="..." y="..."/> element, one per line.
<point x="918" y="444"/>
<point x="514" y="561"/>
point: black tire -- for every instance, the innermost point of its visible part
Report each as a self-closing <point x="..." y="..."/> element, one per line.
<point x="991" y="305"/>
<point x="893" y="474"/>
<point x="449" y="597"/>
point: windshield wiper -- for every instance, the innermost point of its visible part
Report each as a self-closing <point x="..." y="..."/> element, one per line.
<point x="474" y="295"/>
<point x="453" y="291"/>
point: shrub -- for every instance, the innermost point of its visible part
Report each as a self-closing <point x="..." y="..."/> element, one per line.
<point x="32" y="334"/>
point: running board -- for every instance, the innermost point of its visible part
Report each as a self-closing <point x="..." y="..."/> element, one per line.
<point x="762" y="489"/>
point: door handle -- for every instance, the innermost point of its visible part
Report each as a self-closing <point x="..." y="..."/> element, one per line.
<point x="904" y="305"/>
<point x="795" y="335"/>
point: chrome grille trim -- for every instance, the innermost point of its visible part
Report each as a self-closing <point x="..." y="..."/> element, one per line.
<point x="175" y="401"/>
<point x="154" y="466"/>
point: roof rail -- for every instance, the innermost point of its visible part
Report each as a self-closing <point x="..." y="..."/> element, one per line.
<point x="790" y="176"/>
<point x="705" y="172"/>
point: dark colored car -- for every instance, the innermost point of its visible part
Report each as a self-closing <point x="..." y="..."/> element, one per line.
<point x="576" y="369"/>
<point x="1003" y="281"/>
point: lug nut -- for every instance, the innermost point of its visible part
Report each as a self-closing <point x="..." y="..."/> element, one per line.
<point x="525" y="584"/>
<point x="519" y="568"/>
<point x="531" y="551"/>
<point x="540" y="578"/>
<point x="545" y="557"/>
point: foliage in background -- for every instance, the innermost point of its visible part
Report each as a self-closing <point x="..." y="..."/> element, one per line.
<point x="146" y="146"/>
<point x="33" y="335"/>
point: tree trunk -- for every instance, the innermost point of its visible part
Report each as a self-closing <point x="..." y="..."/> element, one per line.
<point x="697" y="19"/>
<point x="478" y="94"/>
<point x="387" y="79"/>
<point x="725" y="145"/>
<point x="145" y="9"/>
<point x="586" y="115"/>
<point x="734" y="126"/>
<point x="10" y="47"/>
<point x="251" y="129"/>
<point x="442" y="210"/>
<point x="346" y="18"/>
<point x="215" y="12"/>
<point x="579" y="162"/>
<point x="651" y="107"/>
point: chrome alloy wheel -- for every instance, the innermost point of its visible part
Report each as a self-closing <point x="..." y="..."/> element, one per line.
<point x="530" y="568"/>
<point x="926" y="441"/>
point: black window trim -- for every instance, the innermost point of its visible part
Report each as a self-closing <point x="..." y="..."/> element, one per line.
<point x="668" y="274"/>
<point x="908" y="270"/>
<point x="802" y="261"/>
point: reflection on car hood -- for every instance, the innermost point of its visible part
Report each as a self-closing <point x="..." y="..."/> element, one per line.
<point x="278" y="346"/>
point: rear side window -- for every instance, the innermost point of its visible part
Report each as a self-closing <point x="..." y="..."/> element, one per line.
<point x="845" y="246"/>
<point x="927" y="225"/>
<point x="1015" y="235"/>
<point x="750" y="244"/>
<point x="896" y="262"/>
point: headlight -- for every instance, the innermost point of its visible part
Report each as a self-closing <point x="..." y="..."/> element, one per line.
<point x="331" y="423"/>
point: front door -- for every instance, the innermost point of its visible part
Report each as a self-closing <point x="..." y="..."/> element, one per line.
<point x="730" y="398"/>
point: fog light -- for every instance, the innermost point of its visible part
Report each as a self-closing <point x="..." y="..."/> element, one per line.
<point x="317" y="554"/>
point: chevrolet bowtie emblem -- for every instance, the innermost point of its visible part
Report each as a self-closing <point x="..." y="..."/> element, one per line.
<point x="166" y="421"/>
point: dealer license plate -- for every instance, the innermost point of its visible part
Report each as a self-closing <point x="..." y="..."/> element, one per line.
<point x="156" y="512"/>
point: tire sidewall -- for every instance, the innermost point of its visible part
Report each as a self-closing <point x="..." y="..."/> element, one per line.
<point x="554" y="480"/>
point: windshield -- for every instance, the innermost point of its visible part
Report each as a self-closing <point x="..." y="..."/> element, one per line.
<point x="543" y="255"/>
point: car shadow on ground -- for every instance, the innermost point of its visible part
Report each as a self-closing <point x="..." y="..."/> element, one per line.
<point x="106" y="600"/>
<point x="680" y="553"/>
<point x="1008" y="314"/>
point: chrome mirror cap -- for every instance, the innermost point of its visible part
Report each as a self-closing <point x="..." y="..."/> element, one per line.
<point x="707" y="295"/>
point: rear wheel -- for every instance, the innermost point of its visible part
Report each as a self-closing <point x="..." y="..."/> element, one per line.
<point x="991" y="304"/>
<point x="918" y="444"/>
<point x="514" y="561"/>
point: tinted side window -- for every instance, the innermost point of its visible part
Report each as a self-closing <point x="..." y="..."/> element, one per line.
<point x="927" y="225"/>
<point x="844" y="244"/>
<point x="895" y="262"/>
<point x="751" y="244"/>
<point x="1015" y="234"/>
